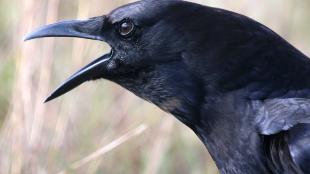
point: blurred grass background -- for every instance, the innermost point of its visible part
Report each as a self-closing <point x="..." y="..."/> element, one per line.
<point x="58" y="137"/>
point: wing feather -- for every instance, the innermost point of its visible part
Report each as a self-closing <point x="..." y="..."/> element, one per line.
<point x="285" y="126"/>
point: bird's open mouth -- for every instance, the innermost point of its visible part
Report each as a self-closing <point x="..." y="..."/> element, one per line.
<point x="88" y="29"/>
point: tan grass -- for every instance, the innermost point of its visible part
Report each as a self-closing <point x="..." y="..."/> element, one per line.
<point x="107" y="148"/>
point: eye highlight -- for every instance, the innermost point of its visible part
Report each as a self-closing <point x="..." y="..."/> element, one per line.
<point x="126" y="28"/>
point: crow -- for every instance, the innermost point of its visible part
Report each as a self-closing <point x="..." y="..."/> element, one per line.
<point x="242" y="88"/>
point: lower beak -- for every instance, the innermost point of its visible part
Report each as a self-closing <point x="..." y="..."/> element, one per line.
<point x="88" y="29"/>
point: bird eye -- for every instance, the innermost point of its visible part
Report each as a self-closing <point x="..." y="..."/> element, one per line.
<point x="126" y="28"/>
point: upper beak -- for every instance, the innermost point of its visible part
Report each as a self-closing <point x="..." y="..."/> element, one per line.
<point x="88" y="29"/>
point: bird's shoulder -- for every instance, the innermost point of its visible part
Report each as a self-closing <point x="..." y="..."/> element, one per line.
<point x="285" y="127"/>
<point x="275" y="115"/>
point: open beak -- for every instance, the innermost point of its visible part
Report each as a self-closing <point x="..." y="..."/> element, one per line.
<point x="88" y="29"/>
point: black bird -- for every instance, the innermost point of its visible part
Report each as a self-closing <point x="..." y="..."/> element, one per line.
<point x="239" y="86"/>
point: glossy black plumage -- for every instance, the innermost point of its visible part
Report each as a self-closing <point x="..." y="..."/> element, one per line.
<point x="239" y="86"/>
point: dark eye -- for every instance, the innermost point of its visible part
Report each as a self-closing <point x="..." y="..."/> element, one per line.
<point x="126" y="28"/>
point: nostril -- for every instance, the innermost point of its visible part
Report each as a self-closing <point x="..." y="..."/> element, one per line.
<point x="112" y="65"/>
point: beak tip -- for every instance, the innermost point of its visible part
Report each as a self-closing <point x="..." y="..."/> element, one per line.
<point x="48" y="99"/>
<point x="45" y="101"/>
<point x="27" y="37"/>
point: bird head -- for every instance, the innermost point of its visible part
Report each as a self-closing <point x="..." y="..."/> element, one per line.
<point x="141" y="35"/>
<point x="169" y="52"/>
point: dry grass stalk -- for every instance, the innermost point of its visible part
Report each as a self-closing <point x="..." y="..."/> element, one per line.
<point x="100" y="152"/>
<point x="160" y="145"/>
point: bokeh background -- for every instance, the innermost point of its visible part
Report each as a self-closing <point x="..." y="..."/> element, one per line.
<point x="99" y="127"/>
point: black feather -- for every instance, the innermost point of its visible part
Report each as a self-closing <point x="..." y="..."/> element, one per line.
<point x="242" y="88"/>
